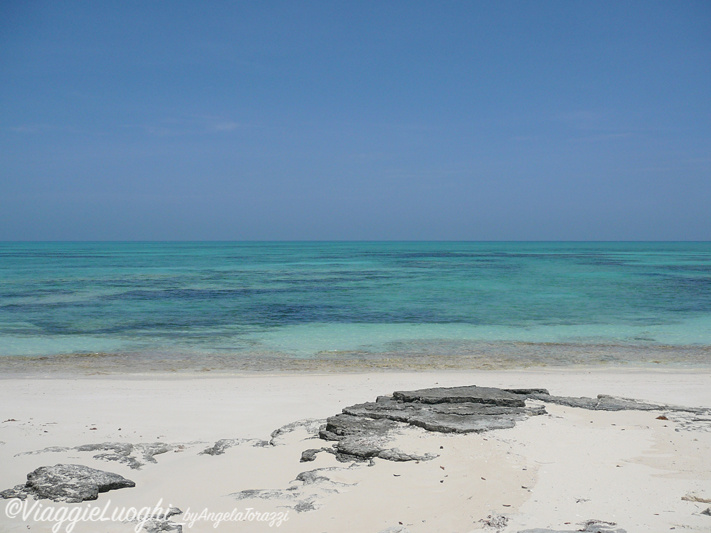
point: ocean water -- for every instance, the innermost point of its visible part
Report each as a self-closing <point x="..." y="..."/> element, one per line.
<point x="339" y="305"/>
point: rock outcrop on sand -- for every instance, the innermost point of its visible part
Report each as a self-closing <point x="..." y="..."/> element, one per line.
<point x="67" y="483"/>
<point x="362" y="431"/>
<point x="302" y="494"/>
<point x="160" y="522"/>
<point x="133" y="455"/>
<point x="591" y="526"/>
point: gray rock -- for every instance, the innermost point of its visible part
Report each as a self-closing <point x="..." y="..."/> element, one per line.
<point x="303" y="492"/>
<point x="304" y="506"/>
<point x="527" y="392"/>
<point x="223" y="444"/>
<point x="120" y="448"/>
<point x="68" y="483"/>
<point x="158" y="526"/>
<point x="403" y="411"/>
<point x="310" y="425"/>
<point x="464" y="417"/>
<point x="124" y="452"/>
<point x="360" y="448"/>
<point x="601" y="403"/>
<point x="310" y="454"/>
<point x="160" y="522"/>
<point x="264" y="494"/>
<point x="343" y="425"/>
<point x="171" y="511"/>
<point x="443" y="423"/>
<point x="471" y="393"/>
<point x="362" y="438"/>
<point x="219" y="447"/>
<point x="311" y="476"/>
<point x="133" y="455"/>
<point x="319" y="480"/>
<point x="688" y="418"/>
<point x="393" y="454"/>
<point x="362" y="431"/>
<point x="384" y="408"/>
<point x="18" y="491"/>
<point x="591" y="526"/>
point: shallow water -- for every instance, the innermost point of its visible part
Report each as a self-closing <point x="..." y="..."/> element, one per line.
<point x="272" y="306"/>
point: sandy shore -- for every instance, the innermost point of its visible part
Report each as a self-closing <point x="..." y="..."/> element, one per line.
<point x="554" y="471"/>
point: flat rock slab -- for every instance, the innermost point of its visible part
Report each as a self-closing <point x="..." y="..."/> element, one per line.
<point x="455" y="423"/>
<point x="468" y="394"/>
<point x="603" y="402"/>
<point x="362" y="431"/>
<point x="345" y="425"/>
<point x="459" y="417"/>
<point x="67" y="483"/>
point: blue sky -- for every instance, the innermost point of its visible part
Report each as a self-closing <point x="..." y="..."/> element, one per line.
<point x="364" y="120"/>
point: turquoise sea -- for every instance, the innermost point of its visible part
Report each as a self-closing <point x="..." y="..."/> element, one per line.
<point x="192" y="306"/>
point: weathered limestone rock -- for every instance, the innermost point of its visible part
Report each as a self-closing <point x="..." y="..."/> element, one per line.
<point x="361" y="438"/>
<point x="223" y="444"/>
<point x="133" y="455"/>
<point x="603" y="402"/>
<point x="310" y="454"/>
<point x="344" y="425"/>
<point x="125" y="452"/>
<point x="309" y="425"/>
<point x="469" y="394"/>
<point x="459" y="415"/>
<point x="160" y="522"/>
<point x="265" y="494"/>
<point x="303" y="493"/>
<point x="443" y="423"/>
<point x="305" y="506"/>
<point x="591" y="526"/>
<point x="220" y="446"/>
<point x="362" y="431"/>
<point x="67" y="483"/>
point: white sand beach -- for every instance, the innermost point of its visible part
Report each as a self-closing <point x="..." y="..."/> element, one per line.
<point x="553" y="472"/>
